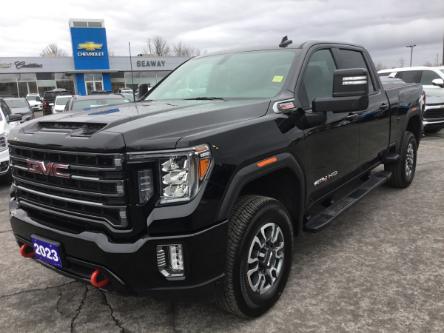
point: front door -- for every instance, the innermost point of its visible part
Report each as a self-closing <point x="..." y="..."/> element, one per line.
<point x="332" y="149"/>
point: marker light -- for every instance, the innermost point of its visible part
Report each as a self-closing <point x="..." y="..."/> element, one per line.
<point x="145" y="185"/>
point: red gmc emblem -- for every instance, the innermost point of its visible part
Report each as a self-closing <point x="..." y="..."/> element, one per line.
<point x="48" y="169"/>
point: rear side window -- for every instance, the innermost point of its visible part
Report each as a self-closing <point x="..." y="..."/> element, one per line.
<point x="317" y="80"/>
<point x="409" y="76"/>
<point x="354" y="59"/>
<point x="428" y="76"/>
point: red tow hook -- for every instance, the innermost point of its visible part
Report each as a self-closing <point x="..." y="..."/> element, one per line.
<point x="95" y="279"/>
<point x="26" y="251"/>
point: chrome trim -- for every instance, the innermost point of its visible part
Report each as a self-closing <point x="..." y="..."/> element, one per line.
<point x="69" y="214"/>
<point x="143" y="155"/>
<point x="76" y="177"/>
<point x="56" y="197"/>
<point x="117" y="156"/>
<point x="426" y="122"/>
<point x="65" y="189"/>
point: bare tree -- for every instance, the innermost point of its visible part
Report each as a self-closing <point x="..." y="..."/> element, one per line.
<point x="52" y="50"/>
<point x="182" y="50"/>
<point x="156" y="46"/>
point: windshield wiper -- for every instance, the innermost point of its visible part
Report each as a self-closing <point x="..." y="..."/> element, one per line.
<point x="202" y="98"/>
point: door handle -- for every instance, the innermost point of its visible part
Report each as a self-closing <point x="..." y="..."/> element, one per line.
<point x="383" y="107"/>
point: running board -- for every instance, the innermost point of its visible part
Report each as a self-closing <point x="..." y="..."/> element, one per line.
<point x="317" y="222"/>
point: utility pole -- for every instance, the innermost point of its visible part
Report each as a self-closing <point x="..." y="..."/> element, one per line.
<point x="411" y="52"/>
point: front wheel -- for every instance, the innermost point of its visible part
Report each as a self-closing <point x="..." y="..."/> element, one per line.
<point x="259" y="253"/>
<point x="403" y="171"/>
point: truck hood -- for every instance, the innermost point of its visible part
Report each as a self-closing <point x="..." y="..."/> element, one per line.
<point x="148" y="125"/>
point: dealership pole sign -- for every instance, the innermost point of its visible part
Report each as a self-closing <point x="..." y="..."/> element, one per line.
<point x="90" y="49"/>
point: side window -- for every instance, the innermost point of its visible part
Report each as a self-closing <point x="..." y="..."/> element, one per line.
<point x="354" y="59"/>
<point x="428" y="76"/>
<point x="409" y="76"/>
<point x="317" y="80"/>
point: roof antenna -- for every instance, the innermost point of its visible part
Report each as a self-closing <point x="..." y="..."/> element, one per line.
<point x="285" y="42"/>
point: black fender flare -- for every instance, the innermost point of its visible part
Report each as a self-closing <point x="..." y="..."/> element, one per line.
<point x="252" y="172"/>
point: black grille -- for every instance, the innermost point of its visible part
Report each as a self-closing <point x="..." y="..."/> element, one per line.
<point x="434" y="113"/>
<point x="2" y="142"/>
<point x="93" y="191"/>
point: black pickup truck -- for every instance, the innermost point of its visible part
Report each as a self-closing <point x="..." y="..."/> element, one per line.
<point x="205" y="183"/>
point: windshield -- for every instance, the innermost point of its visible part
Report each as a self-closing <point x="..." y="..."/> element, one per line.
<point x="256" y="74"/>
<point x="94" y="103"/>
<point x="33" y="98"/>
<point x="17" y="103"/>
<point x="62" y="100"/>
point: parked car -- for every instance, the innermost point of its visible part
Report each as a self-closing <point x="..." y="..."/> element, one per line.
<point x="207" y="182"/>
<point x="35" y="102"/>
<point x="8" y="120"/>
<point x="78" y="103"/>
<point x="20" y="106"/>
<point x="432" y="81"/>
<point x="60" y="103"/>
<point x="49" y="99"/>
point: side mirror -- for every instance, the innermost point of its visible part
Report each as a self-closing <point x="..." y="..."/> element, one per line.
<point x="438" y="82"/>
<point x="13" y="118"/>
<point x="350" y="92"/>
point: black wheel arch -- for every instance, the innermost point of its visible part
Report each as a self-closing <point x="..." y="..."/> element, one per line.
<point x="283" y="180"/>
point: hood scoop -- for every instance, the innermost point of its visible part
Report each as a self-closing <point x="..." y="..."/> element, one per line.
<point x="71" y="128"/>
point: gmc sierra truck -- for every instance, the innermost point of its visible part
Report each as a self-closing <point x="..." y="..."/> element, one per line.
<point x="205" y="183"/>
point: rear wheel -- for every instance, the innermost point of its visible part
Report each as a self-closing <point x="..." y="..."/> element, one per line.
<point x="403" y="171"/>
<point x="260" y="244"/>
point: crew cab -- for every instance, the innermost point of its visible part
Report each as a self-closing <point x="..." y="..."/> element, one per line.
<point x="205" y="183"/>
<point x="432" y="81"/>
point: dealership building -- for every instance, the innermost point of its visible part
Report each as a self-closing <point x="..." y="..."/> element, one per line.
<point x="90" y="68"/>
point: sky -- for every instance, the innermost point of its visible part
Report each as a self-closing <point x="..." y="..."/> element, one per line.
<point x="383" y="27"/>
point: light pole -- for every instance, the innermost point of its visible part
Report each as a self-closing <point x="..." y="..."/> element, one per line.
<point x="411" y="52"/>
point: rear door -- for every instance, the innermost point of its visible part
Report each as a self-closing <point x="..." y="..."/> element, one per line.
<point x="374" y="122"/>
<point x="332" y="149"/>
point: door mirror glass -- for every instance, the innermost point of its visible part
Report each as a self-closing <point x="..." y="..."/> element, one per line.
<point x="438" y="82"/>
<point x="350" y="82"/>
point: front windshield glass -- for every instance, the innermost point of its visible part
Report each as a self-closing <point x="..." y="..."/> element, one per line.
<point x="17" y="103"/>
<point x="95" y="103"/>
<point x="255" y="74"/>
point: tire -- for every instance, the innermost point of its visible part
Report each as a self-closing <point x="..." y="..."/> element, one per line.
<point x="403" y="171"/>
<point x="252" y="216"/>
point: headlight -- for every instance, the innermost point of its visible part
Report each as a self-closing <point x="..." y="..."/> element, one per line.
<point x="3" y="142"/>
<point x="183" y="172"/>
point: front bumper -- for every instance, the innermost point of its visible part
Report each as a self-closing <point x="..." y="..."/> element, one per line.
<point x="131" y="267"/>
<point x="433" y="116"/>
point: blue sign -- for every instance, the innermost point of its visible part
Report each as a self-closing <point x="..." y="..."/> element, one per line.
<point x="90" y="50"/>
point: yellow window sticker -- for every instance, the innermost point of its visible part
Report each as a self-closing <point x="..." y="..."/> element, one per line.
<point x="278" y="78"/>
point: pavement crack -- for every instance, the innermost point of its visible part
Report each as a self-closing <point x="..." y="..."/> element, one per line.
<point x="79" y="309"/>
<point x="111" y="310"/>
<point x="35" y="290"/>
<point x="5" y="231"/>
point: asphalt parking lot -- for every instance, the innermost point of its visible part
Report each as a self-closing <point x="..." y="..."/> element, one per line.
<point x="379" y="268"/>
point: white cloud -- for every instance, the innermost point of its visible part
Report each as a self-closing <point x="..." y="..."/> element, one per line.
<point x="385" y="27"/>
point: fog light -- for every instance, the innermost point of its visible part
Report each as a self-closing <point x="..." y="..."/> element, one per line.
<point x="170" y="261"/>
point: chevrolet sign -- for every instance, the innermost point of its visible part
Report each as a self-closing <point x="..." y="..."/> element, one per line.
<point x="90" y="49"/>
